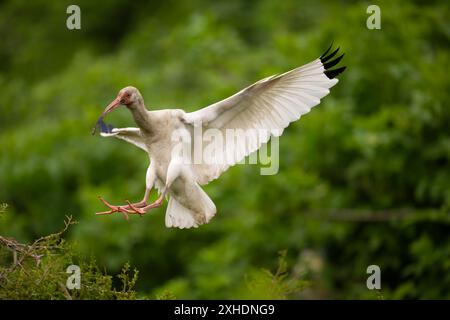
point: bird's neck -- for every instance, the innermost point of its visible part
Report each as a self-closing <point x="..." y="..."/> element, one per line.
<point x="140" y="115"/>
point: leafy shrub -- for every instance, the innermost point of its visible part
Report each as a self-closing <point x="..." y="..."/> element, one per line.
<point x="38" y="271"/>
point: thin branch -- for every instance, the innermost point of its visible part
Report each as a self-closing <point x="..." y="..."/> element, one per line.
<point x="22" y="251"/>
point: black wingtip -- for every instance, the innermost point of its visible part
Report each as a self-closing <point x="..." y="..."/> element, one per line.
<point x="325" y="58"/>
<point x="329" y="64"/>
<point x="326" y="51"/>
<point x="331" y="74"/>
<point x="331" y="55"/>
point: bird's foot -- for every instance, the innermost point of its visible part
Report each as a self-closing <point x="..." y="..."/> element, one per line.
<point x="143" y="210"/>
<point x="139" y="208"/>
<point x="135" y="209"/>
<point x="122" y="209"/>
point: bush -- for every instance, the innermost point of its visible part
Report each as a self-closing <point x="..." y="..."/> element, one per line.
<point x="38" y="271"/>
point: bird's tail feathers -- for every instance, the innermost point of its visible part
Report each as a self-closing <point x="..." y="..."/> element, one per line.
<point x="178" y="216"/>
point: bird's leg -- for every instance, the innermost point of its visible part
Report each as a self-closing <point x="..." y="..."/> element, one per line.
<point x="130" y="208"/>
<point x="156" y="204"/>
<point x="141" y="203"/>
<point x="125" y="209"/>
<point x="173" y="171"/>
<point x="113" y="209"/>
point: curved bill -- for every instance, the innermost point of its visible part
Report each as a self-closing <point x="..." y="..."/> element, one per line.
<point x="100" y="123"/>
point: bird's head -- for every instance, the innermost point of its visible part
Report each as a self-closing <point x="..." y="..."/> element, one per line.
<point x="128" y="96"/>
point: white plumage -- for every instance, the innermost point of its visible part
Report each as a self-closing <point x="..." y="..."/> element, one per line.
<point x="256" y="113"/>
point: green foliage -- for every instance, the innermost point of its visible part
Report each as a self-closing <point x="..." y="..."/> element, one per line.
<point x="364" y="178"/>
<point x="264" y="284"/>
<point x="165" y="295"/>
<point x="38" y="271"/>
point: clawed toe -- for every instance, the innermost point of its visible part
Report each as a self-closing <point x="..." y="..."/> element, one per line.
<point x="113" y="208"/>
<point x="126" y="210"/>
<point x="135" y="209"/>
<point x="104" y="212"/>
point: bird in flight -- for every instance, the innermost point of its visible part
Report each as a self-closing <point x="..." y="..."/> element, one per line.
<point x="257" y="113"/>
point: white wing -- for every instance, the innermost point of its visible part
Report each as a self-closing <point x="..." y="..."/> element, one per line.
<point x="266" y="108"/>
<point x="131" y="135"/>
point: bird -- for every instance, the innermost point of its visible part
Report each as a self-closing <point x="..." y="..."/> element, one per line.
<point x="267" y="106"/>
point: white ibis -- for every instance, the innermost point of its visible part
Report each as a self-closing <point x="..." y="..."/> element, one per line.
<point x="269" y="105"/>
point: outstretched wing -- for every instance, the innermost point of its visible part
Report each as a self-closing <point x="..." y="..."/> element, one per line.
<point x="268" y="105"/>
<point x="131" y="135"/>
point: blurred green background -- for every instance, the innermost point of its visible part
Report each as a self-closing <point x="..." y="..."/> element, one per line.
<point x="364" y="178"/>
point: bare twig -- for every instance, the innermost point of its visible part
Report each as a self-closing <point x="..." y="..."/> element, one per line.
<point x="35" y="251"/>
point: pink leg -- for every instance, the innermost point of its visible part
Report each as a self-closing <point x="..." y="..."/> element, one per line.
<point x="143" y="210"/>
<point x="125" y="209"/>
